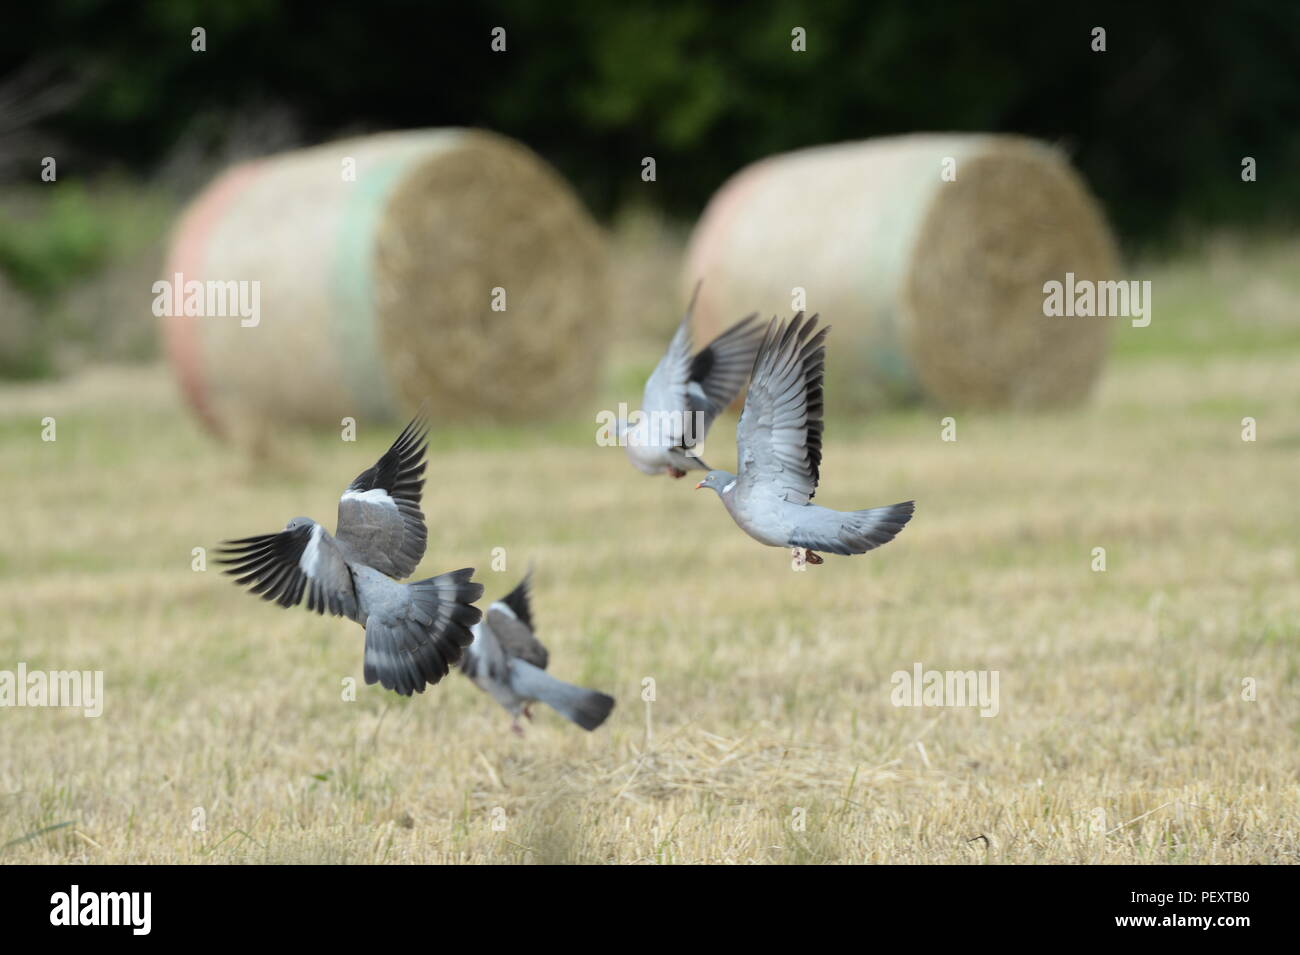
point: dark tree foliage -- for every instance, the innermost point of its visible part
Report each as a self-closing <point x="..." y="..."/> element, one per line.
<point x="1159" y="123"/>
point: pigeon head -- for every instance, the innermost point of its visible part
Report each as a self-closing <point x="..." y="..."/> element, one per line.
<point x="298" y="523"/>
<point x="720" y="481"/>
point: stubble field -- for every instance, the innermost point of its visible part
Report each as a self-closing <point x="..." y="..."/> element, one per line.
<point x="1125" y="731"/>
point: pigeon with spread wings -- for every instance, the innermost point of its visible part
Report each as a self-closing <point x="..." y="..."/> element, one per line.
<point x="415" y="631"/>
<point x="779" y="446"/>
<point x="685" y="392"/>
<point x="508" y="662"/>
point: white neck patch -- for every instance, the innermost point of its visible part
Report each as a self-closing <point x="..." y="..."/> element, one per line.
<point x="730" y="485"/>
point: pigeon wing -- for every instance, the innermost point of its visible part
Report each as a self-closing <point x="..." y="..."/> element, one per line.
<point x="718" y="372"/>
<point x="511" y="621"/>
<point x="380" y="522"/>
<point x="520" y="600"/>
<point x="667" y="390"/>
<point x="287" y="566"/>
<point x="705" y="382"/>
<point x="779" y="437"/>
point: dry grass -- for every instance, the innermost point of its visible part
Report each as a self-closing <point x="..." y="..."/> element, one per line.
<point x="1120" y="691"/>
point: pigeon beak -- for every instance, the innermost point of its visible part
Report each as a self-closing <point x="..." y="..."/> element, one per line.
<point x="700" y="485"/>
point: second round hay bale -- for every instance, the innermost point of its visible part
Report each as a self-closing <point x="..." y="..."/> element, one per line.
<point x="934" y="287"/>
<point x="376" y="260"/>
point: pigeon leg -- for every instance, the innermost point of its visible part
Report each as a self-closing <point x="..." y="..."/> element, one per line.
<point x="527" y="711"/>
<point x="676" y="472"/>
<point x="803" y="556"/>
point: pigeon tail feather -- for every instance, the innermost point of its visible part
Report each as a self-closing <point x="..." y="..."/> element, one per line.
<point x="416" y="646"/>
<point x="851" y="532"/>
<point x="587" y="708"/>
<point x="869" y="529"/>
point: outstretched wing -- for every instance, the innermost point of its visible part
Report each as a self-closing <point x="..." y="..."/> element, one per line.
<point x="511" y="621"/>
<point x="718" y="371"/>
<point x="520" y="600"/>
<point x="286" y="566"/>
<point x="683" y="384"/>
<point x="779" y="438"/>
<point x="380" y="522"/>
<point x="666" y="398"/>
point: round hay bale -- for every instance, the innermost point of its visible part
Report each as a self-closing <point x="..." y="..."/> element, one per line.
<point x="375" y="291"/>
<point x="934" y="287"/>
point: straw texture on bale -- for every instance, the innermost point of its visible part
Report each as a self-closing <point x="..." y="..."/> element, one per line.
<point x="934" y="287"/>
<point x="377" y="294"/>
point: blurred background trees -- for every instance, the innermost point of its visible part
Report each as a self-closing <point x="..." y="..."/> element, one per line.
<point x="1158" y="123"/>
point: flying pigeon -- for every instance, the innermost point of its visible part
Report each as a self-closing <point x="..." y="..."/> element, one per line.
<point x="414" y="631"/>
<point x="779" y="445"/>
<point x="508" y="662"/>
<point x="685" y="393"/>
